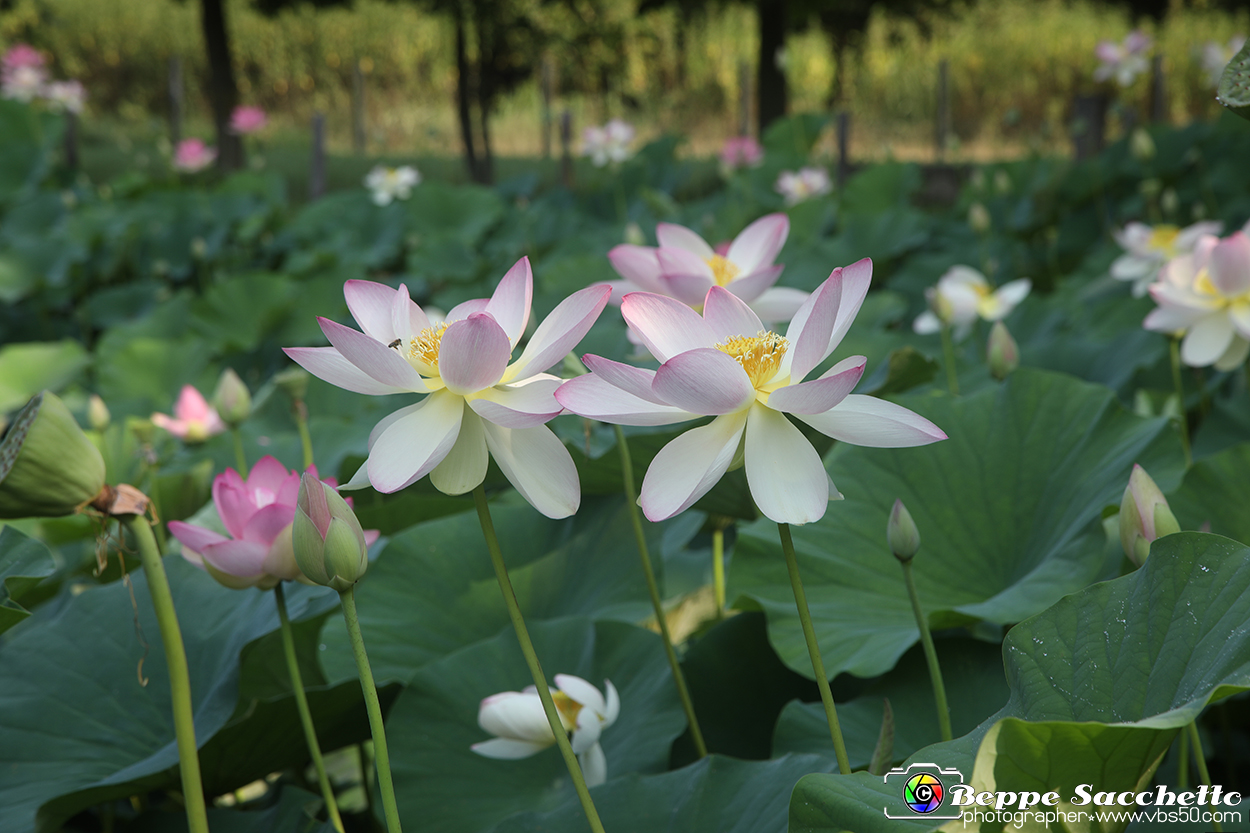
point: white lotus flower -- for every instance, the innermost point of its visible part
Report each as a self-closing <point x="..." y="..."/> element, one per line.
<point x="609" y="143"/>
<point x="1147" y="248"/>
<point x="1123" y="61"/>
<point x="806" y="183"/>
<point x="963" y="295"/>
<point x="389" y="184"/>
<point x="520" y="727"/>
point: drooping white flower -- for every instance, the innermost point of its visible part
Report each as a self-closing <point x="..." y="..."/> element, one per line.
<point x="1147" y="248"/>
<point x="389" y="184"/>
<point x="963" y="295"/>
<point x="520" y="727"/>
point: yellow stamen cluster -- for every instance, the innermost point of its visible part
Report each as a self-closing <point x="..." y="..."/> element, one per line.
<point x="568" y="709"/>
<point x="760" y="355"/>
<point x="424" y="348"/>
<point x="1163" y="239"/>
<point x="723" y="270"/>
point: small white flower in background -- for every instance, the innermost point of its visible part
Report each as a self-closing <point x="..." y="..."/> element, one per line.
<point x="806" y="183"/>
<point x="389" y="184"/>
<point x="1206" y="295"/>
<point x="609" y="143"/>
<point x="1147" y="248"/>
<point x="1123" y="61"/>
<point x="65" y="96"/>
<point x="520" y="727"/>
<point x="963" y="295"/>
<point x="1215" y="56"/>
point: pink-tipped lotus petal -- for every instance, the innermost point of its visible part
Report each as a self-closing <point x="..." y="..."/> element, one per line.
<point x="673" y="236"/>
<point x="538" y="465"/>
<point x="510" y="304"/>
<point x="687" y="288"/>
<point x="751" y="285"/>
<point x="633" y="380"/>
<point x="267" y="474"/>
<point x="820" y="395"/>
<point x="474" y="354"/>
<point x="593" y="397"/>
<point x="810" y="330"/>
<point x="666" y="326"/>
<point x="327" y="364"/>
<point x="267" y="523"/>
<point x="463" y="310"/>
<point x="682" y="262"/>
<point x="371" y="305"/>
<point x="234" y="506"/>
<point x="561" y="331"/>
<point x="192" y="406"/>
<point x="417" y="442"/>
<point x="518" y="406"/>
<point x="856" y="279"/>
<point x="689" y="466"/>
<point x="778" y="304"/>
<point x="407" y="319"/>
<point x="312" y="501"/>
<point x="194" y="537"/>
<point x="787" y="479"/>
<point x="759" y="243"/>
<point x="242" y="559"/>
<point x="704" y="381"/>
<point x="868" y="421"/>
<point x="727" y="315"/>
<point x="1230" y="265"/>
<point x="1207" y="340"/>
<point x="373" y="357"/>
<point x="637" y="264"/>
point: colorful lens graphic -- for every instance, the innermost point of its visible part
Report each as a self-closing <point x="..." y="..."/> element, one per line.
<point x="923" y="793"/>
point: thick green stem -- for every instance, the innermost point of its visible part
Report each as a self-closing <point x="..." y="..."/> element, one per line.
<point x="631" y="498"/>
<point x="376" y="727"/>
<point x="718" y="570"/>
<point x="305" y="715"/>
<point x="930" y="654"/>
<point x="1182" y="421"/>
<point x="813" y="650"/>
<point x="1182" y="760"/>
<point x="948" y="358"/>
<point x="531" y="659"/>
<point x="305" y="439"/>
<point x="179" y="678"/>
<point x="240" y="459"/>
<point x="1201" y="760"/>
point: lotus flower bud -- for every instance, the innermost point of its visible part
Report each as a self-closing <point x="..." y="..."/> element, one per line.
<point x="98" y="416"/>
<point x="901" y="533"/>
<point x="48" y="466"/>
<point x="294" y="381"/>
<point x="634" y="235"/>
<point x="1169" y="202"/>
<point x="329" y="543"/>
<point x="231" y="399"/>
<point x="978" y="218"/>
<point x="1002" y="182"/>
<point x="1002" y="354"/>
<point x="1141" y="145"/>
<point x="1144" y="516"/>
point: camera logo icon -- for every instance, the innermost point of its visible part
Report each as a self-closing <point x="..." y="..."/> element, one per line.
<point x="924" y="790"/>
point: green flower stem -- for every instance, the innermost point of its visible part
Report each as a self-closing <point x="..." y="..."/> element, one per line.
<point x="301" y="424"/>
<point x="1182" y="422"/>
<point x="1182" y="760"/>
<point x="948" y="358"/>
<point x="930" y="654"/>
<point x="152" y="492"/>
<point x="240" y="459"/>
<point x="305" y="716"/>
<point x="376" y="727"/>
<point x="635" y="516"/>
<point x="813" y="650"/>
<point x="531" y="659"/>
<point x="179" y="678"/>
<point x="718" y="570"/>
<point x="1201" y="760"/>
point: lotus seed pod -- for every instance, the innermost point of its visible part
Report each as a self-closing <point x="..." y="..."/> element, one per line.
<point x="901" y="533"/>
<point x="48" y="466"/>
<point x="231" y="399"/>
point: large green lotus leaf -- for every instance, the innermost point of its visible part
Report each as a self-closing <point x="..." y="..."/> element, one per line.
<point x="73" y="711"/>
<point x="714" y="795"/>
<point x="1101" y="682"/>
<point x="26" y="369"/>
<point x="433" y="589"/>
<point x="24" y="562"/>
<point x="442" y="785"/>
<point x="1008" y="510"/>
<point x="1212" y="497"/>
<point x="291" y="813"/>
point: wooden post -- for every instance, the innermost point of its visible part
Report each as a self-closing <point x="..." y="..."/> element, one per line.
<point x="744" y="98"/>
<point x="1089" y="124"/>
<point x="943" y="120"/>
<point x="71" y="141"/>
<point x="175" y="99"/>
<point x="1158" y="92"/>
<point x="548" y="82"/>
<point x="358" y="108"/>
<point x="566" y="149"/>
<point x="317" y="175"/>
<point x="844" y="146"/>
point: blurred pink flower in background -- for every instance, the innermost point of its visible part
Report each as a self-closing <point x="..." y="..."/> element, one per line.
<point x="806" y="183"/>
<point x="22" y="55"/>
<point x="65" y="96"/>
<point x="194" y="420"/>
<point x="22" y="73"/>
<point x="247" y="119"/>
<point x="1123" y="61"/>
<point x="609" y="143"/>
<point x="193" y="155"/>
<point x="740" y="152"/>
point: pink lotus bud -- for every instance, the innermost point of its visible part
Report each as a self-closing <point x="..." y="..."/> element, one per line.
<point x="1144" y="516"/>
<point x="329" y="543"/>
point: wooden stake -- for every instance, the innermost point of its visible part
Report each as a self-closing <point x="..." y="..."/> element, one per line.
<point x="317" y="176"/>
<point x="566" y="149"/>
<point x="175" y="99"/>
<point x="359" y="137"/>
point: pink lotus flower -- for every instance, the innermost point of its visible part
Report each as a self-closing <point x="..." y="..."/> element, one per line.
<point x="193" y="155"/>
<point x="477" y="401"/>
<point x="1206" y="296"/>
<point x="194" y="420"/>
<point x="740" y="152"/>
<point x="1123" y="61"/>
<point x="247" y="119"/>
<point x="685" y="267"/>
<point x="22" y="55"/>
<point x="257" y="513"/>
<point x="727" y="365"/>
<point x="22" y="73"/>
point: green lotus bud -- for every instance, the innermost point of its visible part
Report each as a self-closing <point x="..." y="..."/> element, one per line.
<point x="328" y="541"/>
<point x="901" y="533"/>
<point x="634" y="235"/>
<point x="98" y="416"/>
<point x="48" y="466"/>
<point x="1002" y="354"/>
<point x="1169" y="202"/>
<point x="144" y="430"/>
<point x="231" y="399"/>
<point x="979" y="218"/>
<point x="1141" y="145"/>
<point x="294" y="381"/>
<point x="1144" y="516"/>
